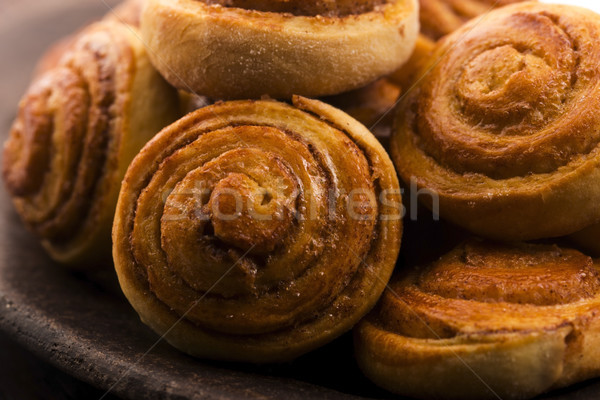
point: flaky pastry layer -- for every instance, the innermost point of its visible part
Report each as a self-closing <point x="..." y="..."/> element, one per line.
<point x="486" y="321"/>
<point x="257" y="231"/>
<point x="503" y="127"/>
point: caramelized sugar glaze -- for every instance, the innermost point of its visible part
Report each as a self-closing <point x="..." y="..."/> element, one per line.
<point x="522" y="317"/>
<point x="71" y="142"/>
<point x="234" y="220"/>
<point x="503" y="127"/>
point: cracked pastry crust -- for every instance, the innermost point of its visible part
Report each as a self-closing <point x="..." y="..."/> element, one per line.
<point x="247" y="49"/>
<point x="486" y="321"/>
<point x="504" y="127"/>
<point x="235" y="232"/>
<point x="93" y="104"/>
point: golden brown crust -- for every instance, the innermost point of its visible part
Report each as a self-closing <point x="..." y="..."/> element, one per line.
<point x="251" y="245"/>
<point x="503" y="127"/>
<point x="486" y="321"/>
<point x="78" y="126"/>
<point x="439" y="18"/>
<point x="275" y="54"/>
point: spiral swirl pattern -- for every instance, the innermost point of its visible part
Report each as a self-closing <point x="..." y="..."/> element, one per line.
<point x="504" y="127"/>
<point x="67" y="148"/>
<point x="521" y="318"/>
<point x="268" y="211"/>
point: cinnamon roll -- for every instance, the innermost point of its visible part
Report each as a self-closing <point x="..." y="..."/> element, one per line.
<point x="486" y="321"/>
<point x="257" y="231"/>
<point x="229" y="49"/>
<point x="78" y="127"/>
<point x="504" y="127"/>
<point x="439" y="18"/>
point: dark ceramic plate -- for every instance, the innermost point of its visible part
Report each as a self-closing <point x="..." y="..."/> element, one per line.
<point x="84" y="326"/>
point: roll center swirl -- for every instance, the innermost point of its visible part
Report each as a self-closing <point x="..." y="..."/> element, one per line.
<point x="485" y="105"/>
<point x="504" y="84"/>
<point x="249" y="216"/>
<point x="243" y="203"/>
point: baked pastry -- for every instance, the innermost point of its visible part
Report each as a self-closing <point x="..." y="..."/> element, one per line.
<point x="228" y="49"/>
<point x="252" y="230"/>
<point x="504" y="126"/>
<point x="372" y="106"/>
<point x="486" y="321"/>
<point x="441" y="17"/>
<point x="78" y="127"/>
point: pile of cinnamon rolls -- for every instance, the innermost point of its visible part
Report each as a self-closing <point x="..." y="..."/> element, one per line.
<point x="230" y="157"/>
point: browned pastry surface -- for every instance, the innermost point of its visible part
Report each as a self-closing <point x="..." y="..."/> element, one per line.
<point x="257" y="226"/>
<point x="81" y="122"/>
<point x="439" y="18"/>
<point x="247" y="49"/>
<point x="504" y="126"/>
<point x="486" y="321"/>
